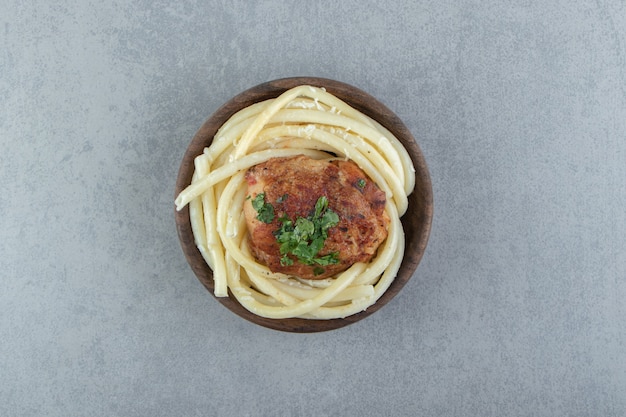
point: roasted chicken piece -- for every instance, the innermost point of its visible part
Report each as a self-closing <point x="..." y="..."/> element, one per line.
<point x="313" y="218"/>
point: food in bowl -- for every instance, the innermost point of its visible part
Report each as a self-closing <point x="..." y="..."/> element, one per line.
<point x="313" y="218"/>
<point x="296" y="206"/>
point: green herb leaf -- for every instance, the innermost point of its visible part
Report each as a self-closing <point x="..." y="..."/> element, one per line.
<point x="286" y="261"/>
<point x="360" y="183"/>
<point x="318" y="271"/>
<point x="304" y="228"/>
<point x="330" y="259"/>
<point x="305" y="237"/>
<point x="265" y="211"/>
<point x="320" y="206"/>
<point x="328" y="220"/>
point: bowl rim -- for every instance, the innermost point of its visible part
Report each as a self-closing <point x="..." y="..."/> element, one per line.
<point x="421" y="198"/>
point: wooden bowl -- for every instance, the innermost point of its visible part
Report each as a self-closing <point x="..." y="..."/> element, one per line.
<point x="416" y="221"/>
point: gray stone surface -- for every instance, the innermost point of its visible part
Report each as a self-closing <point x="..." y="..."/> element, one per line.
<point x="516" y="310"/>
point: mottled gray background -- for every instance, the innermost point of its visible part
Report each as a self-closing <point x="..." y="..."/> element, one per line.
<point x="518" y="308"/>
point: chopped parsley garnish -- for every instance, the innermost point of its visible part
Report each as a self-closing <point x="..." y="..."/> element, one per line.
<point x="304" y="237"/>
<point x="265" y="211"/>
<point x="360" y="183"/>
<point x="318" y="270"/>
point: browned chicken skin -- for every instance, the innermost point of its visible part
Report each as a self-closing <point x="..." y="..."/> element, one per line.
<point x="293" y="186"/>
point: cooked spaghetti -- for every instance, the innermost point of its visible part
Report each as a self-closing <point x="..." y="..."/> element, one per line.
<point x="304" y="121"/>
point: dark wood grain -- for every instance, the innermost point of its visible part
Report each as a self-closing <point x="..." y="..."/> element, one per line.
<point x="416" y="221"/>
